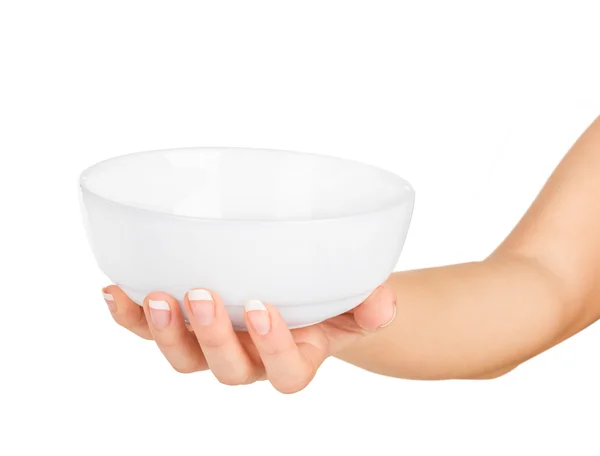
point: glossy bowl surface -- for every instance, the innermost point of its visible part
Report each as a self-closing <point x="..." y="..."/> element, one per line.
<point x="309" y="234"/>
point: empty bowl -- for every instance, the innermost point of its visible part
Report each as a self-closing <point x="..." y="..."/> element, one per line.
<point x="311" y="235"/>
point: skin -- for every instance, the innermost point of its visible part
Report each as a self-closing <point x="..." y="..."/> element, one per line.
<point x="465" y="321"/>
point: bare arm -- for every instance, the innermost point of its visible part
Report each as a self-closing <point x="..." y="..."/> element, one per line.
<point x="474" y="320"/>
<point x="539" y="287"/>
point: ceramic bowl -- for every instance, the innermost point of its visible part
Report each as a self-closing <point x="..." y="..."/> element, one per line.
<point x="309" y="234"/>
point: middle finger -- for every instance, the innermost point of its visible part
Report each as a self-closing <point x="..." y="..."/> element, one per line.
<point x="226" y="357"/>
<point x="179" y="345"/>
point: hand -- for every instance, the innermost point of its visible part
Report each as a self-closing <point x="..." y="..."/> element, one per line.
<point x="269" y="350"/>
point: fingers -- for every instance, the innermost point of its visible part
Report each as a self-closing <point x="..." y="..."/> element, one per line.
<point x="226" y="357"/>
<point x="378" y="310"/>
<point x="289" y="367"/>
<point x="126" y="312"/>
<point x="290" y="361"/>
<point x="174" y="340"/>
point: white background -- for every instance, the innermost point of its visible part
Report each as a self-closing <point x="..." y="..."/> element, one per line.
<point x="473" y="102"/>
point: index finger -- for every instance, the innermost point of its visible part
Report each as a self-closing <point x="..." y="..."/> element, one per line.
<point x="126" y="312"/>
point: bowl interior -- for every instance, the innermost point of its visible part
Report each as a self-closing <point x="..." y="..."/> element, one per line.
<point x="244" y="184"/>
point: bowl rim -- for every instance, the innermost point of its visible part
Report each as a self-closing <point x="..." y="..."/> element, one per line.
<point x="398" y="201"/>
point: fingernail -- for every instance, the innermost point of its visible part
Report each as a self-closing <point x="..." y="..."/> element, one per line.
<point x="202" y="306"/>
<point x="258" y="316"/>
<point x="110" y="301"/>
<point x="391" y="319"/>
<point x="160" y="313"/>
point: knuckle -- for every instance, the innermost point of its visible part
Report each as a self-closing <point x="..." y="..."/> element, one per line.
<point x="124" y="323"/>
<point x="143" y="332"/>
<point x="234" y="378"/>
<point x="165" y="342"/>
<point x="277" y="350"/>
<point x="291" y="388"/>
<point x="128" y="319"/>
<point x="212" y="339"/>
<point x="293" y="385"/>
<point x="120" y="318"/>
<point x="184" y="369"/>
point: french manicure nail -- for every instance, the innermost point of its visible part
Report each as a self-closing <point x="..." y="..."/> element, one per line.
<point x="110" y="301"/>
<point x="202" y="306"/>
<point x="258" y="316"/>
<point x="160" y="313"/>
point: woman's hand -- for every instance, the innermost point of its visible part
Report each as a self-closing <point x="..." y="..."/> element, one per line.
<point x="269" y="350"/>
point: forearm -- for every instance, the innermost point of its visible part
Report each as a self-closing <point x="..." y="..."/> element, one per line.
<point x="539" y="287"/>
<point x="467" y="321"/>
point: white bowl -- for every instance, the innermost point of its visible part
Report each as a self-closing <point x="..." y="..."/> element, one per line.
<point x="309" y="234"/>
